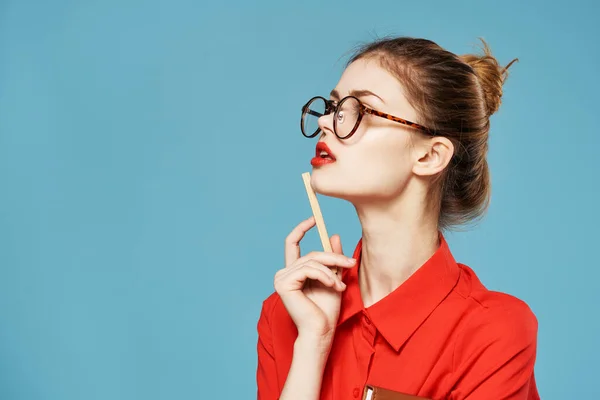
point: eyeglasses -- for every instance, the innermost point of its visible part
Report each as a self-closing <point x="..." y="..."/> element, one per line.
<point x="347" y="115"/>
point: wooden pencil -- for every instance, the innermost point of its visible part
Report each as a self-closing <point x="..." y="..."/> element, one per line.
<point x="316" y="210"/>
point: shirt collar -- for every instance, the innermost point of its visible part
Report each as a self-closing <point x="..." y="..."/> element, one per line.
<point x="400" y="313"/>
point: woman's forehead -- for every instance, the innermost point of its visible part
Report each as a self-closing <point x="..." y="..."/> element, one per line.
<point x="369" y="75"/>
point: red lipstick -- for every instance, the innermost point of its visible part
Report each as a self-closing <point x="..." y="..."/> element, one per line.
<point x="323" y="155"/>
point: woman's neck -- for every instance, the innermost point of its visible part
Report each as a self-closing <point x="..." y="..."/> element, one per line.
<point x="396" y="240"/>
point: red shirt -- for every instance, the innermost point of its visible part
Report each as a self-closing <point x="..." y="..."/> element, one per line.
<point x="440" y="335"/>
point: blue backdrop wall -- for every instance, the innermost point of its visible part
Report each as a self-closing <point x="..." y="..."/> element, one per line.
<point x="150" y="161"/>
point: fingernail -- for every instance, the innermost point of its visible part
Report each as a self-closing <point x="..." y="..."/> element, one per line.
<point x="351" y="261"/>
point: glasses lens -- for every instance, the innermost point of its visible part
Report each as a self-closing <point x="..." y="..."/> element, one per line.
<point x="346" y="117"/>
<point x="310" y="116"/>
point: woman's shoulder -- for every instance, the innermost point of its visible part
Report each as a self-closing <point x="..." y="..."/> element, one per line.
<point x="273" y="312"/>
<point x="495" y="345"/>
<point x="275" y="326"/>
<point x="270" y="303"/>
<point x="496" y="312"/>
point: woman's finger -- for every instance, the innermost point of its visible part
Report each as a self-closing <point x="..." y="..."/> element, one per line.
<point x="328" y="259"/>
<point x="336" y="244"/>
<point x="336" y="278"/>
<point x="294" y="280"/>
<point x="292" y="241"/>
<point x="336" y="247"/>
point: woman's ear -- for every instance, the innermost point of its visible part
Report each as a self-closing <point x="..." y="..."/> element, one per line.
<point x="432" y="155"/>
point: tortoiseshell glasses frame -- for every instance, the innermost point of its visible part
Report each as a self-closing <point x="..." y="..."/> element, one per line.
<point x="330" y="107"/>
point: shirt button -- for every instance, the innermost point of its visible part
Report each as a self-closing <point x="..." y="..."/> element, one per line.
<point x="367" y="320"/>
<point x="356" y="392"/>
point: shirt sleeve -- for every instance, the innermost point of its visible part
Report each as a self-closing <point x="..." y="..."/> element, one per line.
<point x="266" y="372"/>
<point x="495" y="355"/>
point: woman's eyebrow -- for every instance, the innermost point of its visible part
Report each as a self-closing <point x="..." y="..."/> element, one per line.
<point x="356" y="93"/>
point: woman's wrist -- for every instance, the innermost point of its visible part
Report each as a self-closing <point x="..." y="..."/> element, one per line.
<point x="312" y="344"/>
<point x="306" y="372"/>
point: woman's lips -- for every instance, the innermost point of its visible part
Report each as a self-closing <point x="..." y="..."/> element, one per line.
<point x="323" y="155"/>
<point x="318" y="161"/>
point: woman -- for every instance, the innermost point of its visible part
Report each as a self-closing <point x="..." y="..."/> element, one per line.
<point x="403" y="137"/>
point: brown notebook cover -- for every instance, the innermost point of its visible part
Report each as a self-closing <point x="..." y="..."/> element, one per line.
<point x="376" y="393"/>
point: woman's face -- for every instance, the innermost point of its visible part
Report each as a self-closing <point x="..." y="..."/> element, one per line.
<point x="376" y="162"/>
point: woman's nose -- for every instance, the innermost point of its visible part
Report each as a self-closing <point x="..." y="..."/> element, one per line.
<point x="326" y="123"/>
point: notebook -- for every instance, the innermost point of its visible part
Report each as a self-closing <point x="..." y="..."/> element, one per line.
<point x="377" y="393"/>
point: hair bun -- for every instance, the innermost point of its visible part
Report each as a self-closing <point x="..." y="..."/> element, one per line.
<point x="490" y="74"/>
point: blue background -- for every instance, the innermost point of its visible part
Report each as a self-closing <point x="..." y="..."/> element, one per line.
<point x="150" y="162"/>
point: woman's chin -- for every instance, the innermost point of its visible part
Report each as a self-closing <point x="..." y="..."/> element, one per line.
<point x="328" y="186"/>
<point x="348" y="189"/>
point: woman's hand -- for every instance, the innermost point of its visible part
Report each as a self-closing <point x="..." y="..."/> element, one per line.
<point x="309" y="289"/>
